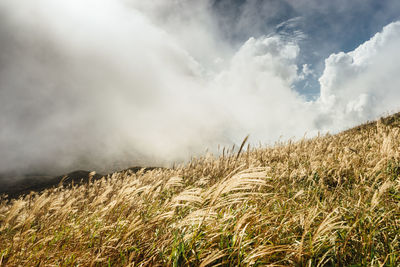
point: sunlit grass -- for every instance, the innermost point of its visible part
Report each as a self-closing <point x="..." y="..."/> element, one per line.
<point x="330" y="200"/>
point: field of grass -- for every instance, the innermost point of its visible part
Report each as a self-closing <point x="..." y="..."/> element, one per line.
<point x="332" y="200"/>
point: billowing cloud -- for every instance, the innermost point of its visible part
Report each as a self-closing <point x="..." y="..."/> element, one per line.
<point x="93" y="83"/>
<point x="362" y="84"/>
<point x="256" y="89"/>
<point x="106" y="84"/>
<point x="325" y="27"/>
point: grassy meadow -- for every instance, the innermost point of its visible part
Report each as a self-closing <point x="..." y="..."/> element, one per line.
<point x="332" y="200"/>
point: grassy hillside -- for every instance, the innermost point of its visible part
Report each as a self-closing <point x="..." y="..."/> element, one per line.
<point x="331" y="200"/>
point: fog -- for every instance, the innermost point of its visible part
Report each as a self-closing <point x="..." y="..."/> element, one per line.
<point x="108" y="84"/>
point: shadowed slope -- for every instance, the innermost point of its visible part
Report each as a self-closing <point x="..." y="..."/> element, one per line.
<point x="37" y="183"/>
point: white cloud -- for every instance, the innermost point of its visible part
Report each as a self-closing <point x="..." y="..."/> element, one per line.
<point x="256" y="90"/>
<point x="95" y="83"/>
<point x="362" y="84"/>
<point x="108" y="84"/>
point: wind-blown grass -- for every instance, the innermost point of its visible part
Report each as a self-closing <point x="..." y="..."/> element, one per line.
<point x="330" y="200"/>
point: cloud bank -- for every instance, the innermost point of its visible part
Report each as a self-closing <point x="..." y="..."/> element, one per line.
<point x="102" y="84"/>
<point x="362" y="84"/>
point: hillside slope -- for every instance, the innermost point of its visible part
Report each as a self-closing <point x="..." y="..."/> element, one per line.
<point x="330" y="200"/>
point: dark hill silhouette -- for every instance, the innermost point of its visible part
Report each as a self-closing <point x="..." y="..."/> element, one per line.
<point x="15" y="187"/>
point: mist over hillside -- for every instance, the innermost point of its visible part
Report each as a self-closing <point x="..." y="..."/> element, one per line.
<point x="105" y="85"/>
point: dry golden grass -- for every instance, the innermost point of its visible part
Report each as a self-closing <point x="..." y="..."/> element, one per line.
<point x="330" y="200"/>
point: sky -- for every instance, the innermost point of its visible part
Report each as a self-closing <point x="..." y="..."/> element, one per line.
<point x="108" y="84"/>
